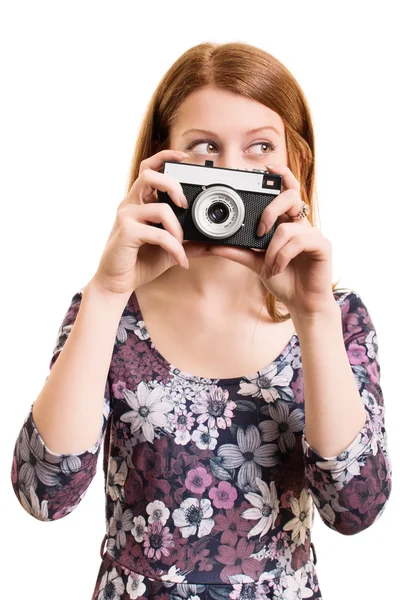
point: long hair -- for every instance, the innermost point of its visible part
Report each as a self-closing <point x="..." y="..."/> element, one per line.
<point x="251" y="72"/>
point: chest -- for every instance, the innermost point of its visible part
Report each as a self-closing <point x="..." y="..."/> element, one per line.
<point x="213" y="346"/>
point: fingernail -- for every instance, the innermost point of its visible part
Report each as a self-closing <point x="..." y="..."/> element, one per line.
<point x="261" y="230"/>
<point x="184" y="201"/>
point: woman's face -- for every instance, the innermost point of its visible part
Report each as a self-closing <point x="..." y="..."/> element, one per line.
<point x="227" y="120"/>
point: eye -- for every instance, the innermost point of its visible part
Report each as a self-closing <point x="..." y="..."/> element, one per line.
<point x="270" y="146"/>
<point x="197" y="142"/>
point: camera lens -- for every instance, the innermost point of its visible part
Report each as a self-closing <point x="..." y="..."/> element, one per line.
<point x="218" y="212"/>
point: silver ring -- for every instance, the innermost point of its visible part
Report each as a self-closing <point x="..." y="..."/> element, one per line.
<point x="304" y="212"/>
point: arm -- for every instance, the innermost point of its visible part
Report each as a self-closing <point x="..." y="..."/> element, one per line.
<point x="56" y="452"/>
<point x="345" y="445"/>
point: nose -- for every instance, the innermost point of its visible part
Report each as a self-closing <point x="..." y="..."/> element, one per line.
<point x="229" y="161"/>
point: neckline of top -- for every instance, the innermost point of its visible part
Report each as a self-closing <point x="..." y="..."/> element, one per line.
<point x="174" y="370"/>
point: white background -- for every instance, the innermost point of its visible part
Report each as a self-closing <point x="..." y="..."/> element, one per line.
<point x="76" y="78"/>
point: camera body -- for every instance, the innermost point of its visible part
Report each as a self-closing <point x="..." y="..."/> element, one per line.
<point x="225" y="205"/>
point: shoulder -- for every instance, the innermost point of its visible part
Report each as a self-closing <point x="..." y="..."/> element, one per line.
<point x="349" y="300"/>
<point x="356" y="317"/>
<point x="341" y="294"/>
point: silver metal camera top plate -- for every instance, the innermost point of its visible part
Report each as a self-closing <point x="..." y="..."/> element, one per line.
<point x="250" y="181"/>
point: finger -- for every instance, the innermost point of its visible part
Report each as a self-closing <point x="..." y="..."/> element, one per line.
<point x="153" y="163"/>
<point x="152" y="213"/>
<point x="171" y="237"/>
<point x="153" y="197"/>
<point x="309" y="242"/>
<point x="288" y="202"/>
<point x="156" y="161"/>
<point x="289" y="181"/>
<point x="149" y="182"/>
<point x="284" y="232"/>
<point x="295" y="246"/>
<point x="160" y="237"/>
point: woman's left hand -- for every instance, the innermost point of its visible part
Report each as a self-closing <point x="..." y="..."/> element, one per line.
<point x="299" y="252"/>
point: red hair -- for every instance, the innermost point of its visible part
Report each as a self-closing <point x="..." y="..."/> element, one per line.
<point x="251" y="72"/>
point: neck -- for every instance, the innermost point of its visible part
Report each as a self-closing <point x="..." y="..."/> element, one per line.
<point x="215" y="281"/>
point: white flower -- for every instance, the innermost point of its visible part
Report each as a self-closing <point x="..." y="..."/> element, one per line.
<point x="205" y="438"/>
<point x="135" y="586"/>
<point x="266" y="508"/>
<point x="174" y="574"/>
<point x="282" y="426"/>
<point x="111" y="586"/>
<point x="140" y="330"/>
<point x="39" y="511"/>
<point x="139" y="527"/>
<point x="343" y="467"/>
<point x="182" y="437"/>
<point x="194" y="516"/>
<point x="302" y="521"/>
<point x="116" y="479"/>
<point x="119" y="523"/>
<point x="214" y="406"/>
<point x="158" y="512"/>
<point x="129" y="323"/>
<point x="264" y="385"/>
<point x="297" y="586"/>
<point x="250" y="455"/>
<point x="149" y="409"/>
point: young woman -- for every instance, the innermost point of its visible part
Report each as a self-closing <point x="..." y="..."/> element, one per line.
<point x="225" y="420"/>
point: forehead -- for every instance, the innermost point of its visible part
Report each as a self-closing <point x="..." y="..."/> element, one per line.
<point x="221" y="110"/>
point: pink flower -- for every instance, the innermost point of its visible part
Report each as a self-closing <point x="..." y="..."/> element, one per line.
<point x="279" y="544"/>
<point x="183" y="420"/>
<point x="285" y="498"/>
<point x="224" y="495"/>
<point x="238" y="561"/>
<point x="157" y="540"/>
<point x="214" y="407"/>
<point x="197" y="480"/>
<point x="232" y="525"/>
<point x="117" y="388"/>
<point x="356" y="354"/>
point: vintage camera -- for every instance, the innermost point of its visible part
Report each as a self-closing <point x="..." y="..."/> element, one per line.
<point x="225" y="205"/>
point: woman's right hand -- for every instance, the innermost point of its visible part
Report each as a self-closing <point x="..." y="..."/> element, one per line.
<point x="137" y="252"/>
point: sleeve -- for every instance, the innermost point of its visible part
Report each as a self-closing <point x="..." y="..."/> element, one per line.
<point x="49" y="485"/>
<point x="351" y="490"/>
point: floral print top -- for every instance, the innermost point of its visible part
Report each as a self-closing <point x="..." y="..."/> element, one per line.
<point x="210" y="484"/>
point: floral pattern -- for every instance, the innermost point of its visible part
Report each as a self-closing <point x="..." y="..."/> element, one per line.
<point x="211" y="486"/>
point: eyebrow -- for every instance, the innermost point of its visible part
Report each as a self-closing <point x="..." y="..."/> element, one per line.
<point x="212" y="133"/>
